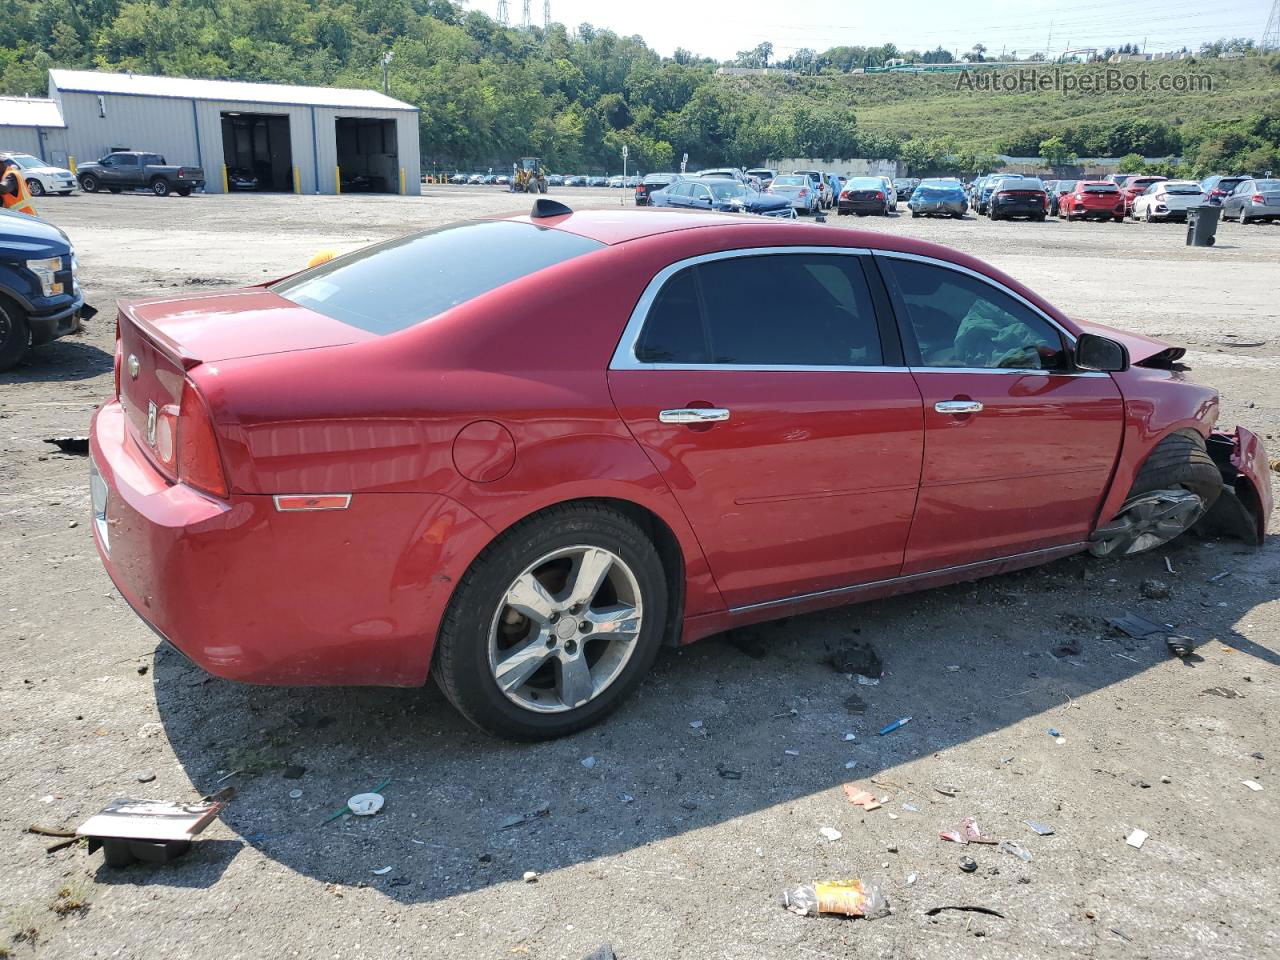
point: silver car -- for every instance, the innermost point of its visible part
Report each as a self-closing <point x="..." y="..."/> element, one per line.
<point x="800" y="189"/>
<point x="1253" y="200"/>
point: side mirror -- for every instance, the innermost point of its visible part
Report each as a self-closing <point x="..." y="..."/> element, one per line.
<point x="1099" y="353"/>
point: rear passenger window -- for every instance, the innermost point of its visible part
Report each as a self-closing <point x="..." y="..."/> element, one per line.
<point x="960" y="321"/>
<point x="772" y="310"/>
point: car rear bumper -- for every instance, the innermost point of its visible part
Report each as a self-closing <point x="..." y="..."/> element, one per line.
<point x="1262" y="210"/>
<point x="862" y="206"/>
<point x="938" y="206"/>
<point x="250" y="593"/>
<point x="1028" y="209"/>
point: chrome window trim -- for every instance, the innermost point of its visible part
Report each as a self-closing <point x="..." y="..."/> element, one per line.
<point x="1007" y="371"/>
<point x="624" y="356"/>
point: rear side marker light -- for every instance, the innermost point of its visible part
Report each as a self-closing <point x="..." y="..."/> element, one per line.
<point x="293" y="502"/>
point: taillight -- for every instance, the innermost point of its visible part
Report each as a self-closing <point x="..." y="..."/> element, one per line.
<point x="1162" y="196"/>
<point x="1258" y="198"/>
<point x="199" y="464"/>
<point x="879" y="194"/>
<point x="1002" y="193"/>
<point x="804" y="192"/>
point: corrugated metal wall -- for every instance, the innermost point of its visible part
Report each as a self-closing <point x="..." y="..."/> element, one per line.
<point x="47" y="143"/>
<point x="190" y="132"/>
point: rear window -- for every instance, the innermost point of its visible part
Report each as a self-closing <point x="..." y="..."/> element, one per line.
<point x="1021" y="183"/>
<point x="1268" y="185"/>
<point x="660" y="178"/>
<point x="1101" y="188"/>
<point x="864" y="183"/>
<point x="1181" y="189"/>
<point x="391" y="286"/>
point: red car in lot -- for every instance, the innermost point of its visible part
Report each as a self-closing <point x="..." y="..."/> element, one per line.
<point x="1092" y="200"/>
<point x="614" y="430"/>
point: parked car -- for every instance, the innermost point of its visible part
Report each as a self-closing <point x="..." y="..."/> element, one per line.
<point x="863" y="195"/>
<point x="891" y="192"/>
<point x="1167" y="200"/>
<point x="40" y="297"/>
<point x="555" y="180"/>
<point x="1253" y="200"/>
<point x="943" y="196"/>
<point x="502" y="180"/>
<point x="617" y="181"/>
<point x="826" y="198"/>
<point x="241" y="178"/>
<point x="723" y="194"/>
<point x="763" y="176"/>
<point x="1135" y="186"/>
<point x="1018" y="197"/>
<point x="983" y="206"/>
<point x="720" y="173"/>
<point x="475" y="179"/>
<point x="42" y="178"/>
<point x="299" y="484"/>
<point x="459" y="178"/>
<point x="1217" y="188"/>
<point x="597" y="182"/>
<point x="903" y="186"/>
<point x="1092" y="200"/>
<point x="800" y="191"/>
<point x="653" y="182"/>
<point x="127" y="170"/>
<point x="1120" y="179"/>
<point x="1056" y="189"/>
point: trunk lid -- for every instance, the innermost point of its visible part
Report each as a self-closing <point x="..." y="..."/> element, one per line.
<point x="160" y="340"/>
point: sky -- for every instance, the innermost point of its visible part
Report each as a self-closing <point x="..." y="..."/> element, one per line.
<point x="720" y="29"/>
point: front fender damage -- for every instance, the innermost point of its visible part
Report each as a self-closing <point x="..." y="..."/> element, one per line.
<point x="1245" y="505"/>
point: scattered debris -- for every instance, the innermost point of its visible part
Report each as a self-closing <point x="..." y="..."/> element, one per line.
<point x="894" y="726"/>
<point x="848" y="737"/>
<point x="381" y="871"/>
<point x="793" y="712"/>
<point x="1137" y="627"/>
<point x="855" y="704"/>
<point x="295" y="794"/>
<point x="831" y="833"/>
<point x="602" y="952"/>
<point x="142" y="670"/>
<point x="1122" y="936"/>
<point x="848" y="898"/>
<point x="953" y="668"/>
<point x="727" y="774"/>
<point x="910" y="808"/>
<point x="1168" y="564"/>
<point x="968" y="864"/>
<point x="1136" y="839"/>
<point x="1165" y="778"/>
<point x="625" y="798"/>
<point x="1180" y="646"/>
<point x="697" y="724"/>
<point x="70" y="444"/>
<point x="868" y="681"/>
<point x="792" y="753"/>
<point x="859" y="796"/>
<point x="1221" y="576"/>
<point x="1252" y="784"/>
<point x="947" y="789"/>
<point x="145" y="776"/>
<point x="1068" y="648"/>
<point x="156" y="831"/>
<point x="966" y="831"/>
<point x="520" y="819"/>
<point x="588" y="762"/>
<point x="1154" y="589"/>
<point x="1041" y="828"/>
<point x="857" y="657"/>
<point x="1015" y="849"/>
<point x="1257" y="755"/>
<point x="850" y="764"/>
<point x="1225" y="692"/>
<point x="365" y="804"/>
<point x="987" y="910"/>
<point x="530" y="876"/>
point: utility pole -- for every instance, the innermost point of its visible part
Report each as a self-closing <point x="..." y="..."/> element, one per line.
<point x="386" y="64"/>
<point x="546" y="14"/>
<point x="1048" y="45"/>
<point x="527" y="19"/>
<point x="504" y="13"/>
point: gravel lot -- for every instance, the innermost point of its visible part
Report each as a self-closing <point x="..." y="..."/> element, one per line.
<point x="651" y="848"/>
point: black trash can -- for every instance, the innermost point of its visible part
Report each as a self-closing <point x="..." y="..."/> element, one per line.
<point x="1202" y="224"/>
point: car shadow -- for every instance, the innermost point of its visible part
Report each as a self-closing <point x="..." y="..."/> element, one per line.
<point x="719" y="730"/>
<point x="66" y="360"/>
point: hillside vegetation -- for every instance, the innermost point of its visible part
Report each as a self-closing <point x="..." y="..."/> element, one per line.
<point x="489" y="94"/>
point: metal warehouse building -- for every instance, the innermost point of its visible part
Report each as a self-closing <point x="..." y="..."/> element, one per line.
<point x="32" y="126"/>
<point x="293" y="139"/>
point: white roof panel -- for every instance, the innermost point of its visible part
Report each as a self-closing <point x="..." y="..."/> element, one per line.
<point x="29" y="112"/>
<point x="91" y="81"/>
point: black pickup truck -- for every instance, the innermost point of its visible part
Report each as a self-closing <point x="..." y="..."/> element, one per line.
<point x="139" y="171"/>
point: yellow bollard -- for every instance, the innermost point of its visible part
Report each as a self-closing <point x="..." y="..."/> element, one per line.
<point x="71" y="162"/>
<point x="226" y="188"/>
<point x="402" y="181"/>
<point x="297" y="180"/>
<point x="337" y="179"/>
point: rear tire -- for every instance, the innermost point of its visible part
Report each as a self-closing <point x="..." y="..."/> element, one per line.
<point x="480" y="616"/>
<point x="1179" y="481"/>
<point x="89" y="183"/>
<point x="15" y="334"/>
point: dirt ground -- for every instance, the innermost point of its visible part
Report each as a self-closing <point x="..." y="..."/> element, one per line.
<point x="653" y="848"/>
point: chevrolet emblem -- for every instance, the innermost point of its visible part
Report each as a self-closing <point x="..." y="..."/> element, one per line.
<point x="134" y="366"/>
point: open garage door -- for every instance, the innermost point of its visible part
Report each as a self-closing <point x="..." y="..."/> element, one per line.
<point x="368" y="157"/>
<point x="257" y="150"/>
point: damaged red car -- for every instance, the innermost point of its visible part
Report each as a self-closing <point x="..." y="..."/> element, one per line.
<point x="617" y="430"/>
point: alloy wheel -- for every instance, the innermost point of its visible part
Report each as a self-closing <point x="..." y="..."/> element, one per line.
<point x="1147" y="521"/>
<point x="565" y="629"/>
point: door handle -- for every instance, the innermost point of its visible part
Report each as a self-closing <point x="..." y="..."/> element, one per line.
<point x="958" y="406"/>
<point x="694" y="415"/>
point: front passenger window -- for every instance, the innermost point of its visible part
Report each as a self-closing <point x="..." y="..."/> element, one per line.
<point x="962" y="322"/>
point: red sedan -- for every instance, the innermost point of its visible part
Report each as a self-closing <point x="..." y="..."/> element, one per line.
<point x="612" y="431"/>
<point x="1092" y="200"/>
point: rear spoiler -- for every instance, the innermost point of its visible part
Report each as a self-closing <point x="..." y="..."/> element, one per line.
<point x="172" y="350"/>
